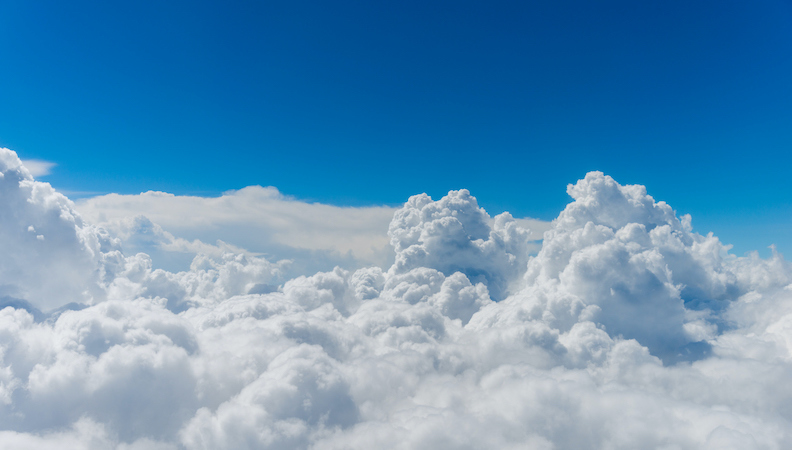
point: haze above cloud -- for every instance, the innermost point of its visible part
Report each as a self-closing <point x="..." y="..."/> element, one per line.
<point x="626" y="330"/>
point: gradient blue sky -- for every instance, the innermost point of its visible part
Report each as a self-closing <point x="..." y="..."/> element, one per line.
<point x="360" y="102"/>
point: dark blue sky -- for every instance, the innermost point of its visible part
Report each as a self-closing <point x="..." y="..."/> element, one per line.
<point x="366" y="102"/>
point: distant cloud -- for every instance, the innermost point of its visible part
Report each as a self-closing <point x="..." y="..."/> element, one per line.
<point x="258" y="219"/>
<point x="38" y="168"/>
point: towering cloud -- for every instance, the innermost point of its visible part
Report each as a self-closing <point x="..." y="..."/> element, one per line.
<point x="454" y="235"/>
<point x="50" y="256"/>
<point x="626" y="330"/>
<point x="638" y="269"/>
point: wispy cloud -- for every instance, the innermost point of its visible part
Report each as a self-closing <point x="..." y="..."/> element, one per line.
<point x="38" y="168"/>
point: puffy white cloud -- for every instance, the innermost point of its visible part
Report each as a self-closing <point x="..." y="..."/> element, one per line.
<point x="455" y="235"/>
<point x="50" y="256"/>
<point x="626" y="330"/>
<point x="638" y="269"/>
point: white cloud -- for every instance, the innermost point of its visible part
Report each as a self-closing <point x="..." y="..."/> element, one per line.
<point x="38" y="167"/>
<point x="455" y="235"/>
<point x="627" y="330"/>
<point x="50" y="256"/>
<point x="258" y="219"/>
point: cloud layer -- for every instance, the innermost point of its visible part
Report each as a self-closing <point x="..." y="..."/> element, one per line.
<point x="626" y="330"/>
<point x="254" y="219"/>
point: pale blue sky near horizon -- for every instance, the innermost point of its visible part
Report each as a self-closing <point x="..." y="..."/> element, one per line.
<point x="362" y="103"/>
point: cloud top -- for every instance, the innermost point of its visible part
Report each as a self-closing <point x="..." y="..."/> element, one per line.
<point x="50" y="255"/>
<point x="454" y="235"/>
<point x="258" y="219"/>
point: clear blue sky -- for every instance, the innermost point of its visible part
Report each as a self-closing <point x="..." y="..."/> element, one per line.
<point x="365" y="102"/>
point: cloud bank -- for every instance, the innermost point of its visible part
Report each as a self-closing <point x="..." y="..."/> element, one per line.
<point x="627" y="330"/>
<point x="254" y="219"/>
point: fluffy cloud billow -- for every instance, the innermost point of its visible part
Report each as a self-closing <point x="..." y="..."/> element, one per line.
<point x="626" y="330"/>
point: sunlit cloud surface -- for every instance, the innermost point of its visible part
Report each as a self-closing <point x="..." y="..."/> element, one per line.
<point x="444" y="326"/>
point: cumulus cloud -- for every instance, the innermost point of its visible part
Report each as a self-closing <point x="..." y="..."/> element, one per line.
<point x="50" y="256"/>
<point x="626" y="330"/>
<point x="455" y="235"/>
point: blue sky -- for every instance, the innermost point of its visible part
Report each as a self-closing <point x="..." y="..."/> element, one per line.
<point x="359" y="103"/>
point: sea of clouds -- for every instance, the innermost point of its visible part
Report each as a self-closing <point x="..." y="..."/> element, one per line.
<point x="625" y="329"/>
